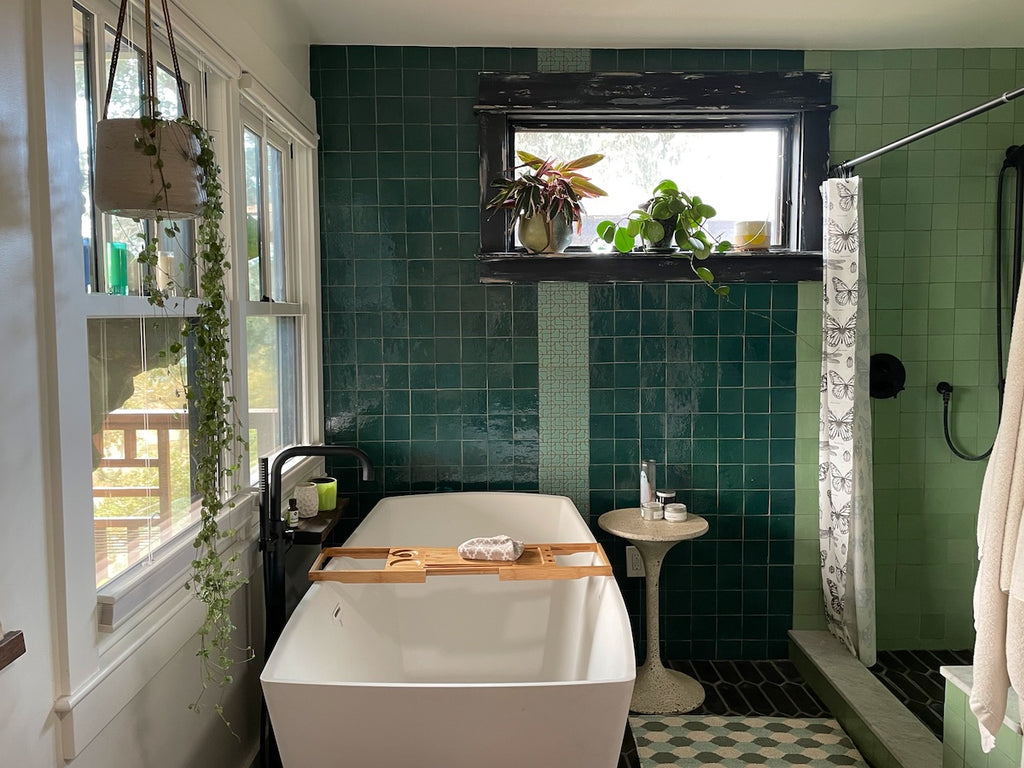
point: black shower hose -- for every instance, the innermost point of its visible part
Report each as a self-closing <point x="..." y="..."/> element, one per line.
<point x="1014" y="159"/>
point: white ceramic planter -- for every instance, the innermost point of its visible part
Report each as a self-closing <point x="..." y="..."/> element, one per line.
<point x="127" y="181"/>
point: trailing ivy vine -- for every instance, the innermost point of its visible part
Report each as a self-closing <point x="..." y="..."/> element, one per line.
<point x="213" y="579"/>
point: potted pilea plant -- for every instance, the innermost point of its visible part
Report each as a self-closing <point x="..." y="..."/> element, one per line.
<point x="545" y="201"/>
<point x="670" y="219"/>
<point x="164" y="170"/>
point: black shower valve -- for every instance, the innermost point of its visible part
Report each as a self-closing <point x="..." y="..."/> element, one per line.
<point x="887" y="376"/>
<point x="945" y="389"/>
<point x="1014" y="157"/>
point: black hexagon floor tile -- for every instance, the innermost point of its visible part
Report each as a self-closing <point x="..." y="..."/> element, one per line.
<point x="770" y="688"/>
<point x="914" y="679"/>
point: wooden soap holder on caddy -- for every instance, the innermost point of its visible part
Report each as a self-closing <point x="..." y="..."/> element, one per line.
<point x="412" y="565"/>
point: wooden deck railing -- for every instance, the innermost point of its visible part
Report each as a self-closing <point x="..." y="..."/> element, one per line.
<point x="125" y="540"/>
<point x="128" y="539"/>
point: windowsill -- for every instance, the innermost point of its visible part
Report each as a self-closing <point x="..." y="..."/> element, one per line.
<point x="154" y="618"/>
<point x="124" y="596"/>
<point x="775" y="266"/>
<point x="109" y="305"/>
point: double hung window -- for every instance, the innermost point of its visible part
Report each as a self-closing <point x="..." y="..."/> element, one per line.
<point x="142" y="490"/>
<point x="142" y="495"/>
<point x="273" y="314"/>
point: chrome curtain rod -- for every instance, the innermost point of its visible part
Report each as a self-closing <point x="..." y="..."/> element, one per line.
<point x="845" y="169"/>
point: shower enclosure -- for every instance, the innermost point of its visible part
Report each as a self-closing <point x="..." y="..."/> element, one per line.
<point x="929" y="227"/>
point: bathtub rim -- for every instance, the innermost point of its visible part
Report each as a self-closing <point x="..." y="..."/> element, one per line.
<point x="400" y="498"/>
<point x="316" y="587"/>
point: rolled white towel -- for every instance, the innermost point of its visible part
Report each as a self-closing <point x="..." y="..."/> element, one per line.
<point x="491" y="548"/>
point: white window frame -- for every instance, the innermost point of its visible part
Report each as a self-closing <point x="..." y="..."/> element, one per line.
<point x="301" y="250"/>
<point x="122" y="596"/>
<point x="299" y="285"/>
<point x="101" y="670"/>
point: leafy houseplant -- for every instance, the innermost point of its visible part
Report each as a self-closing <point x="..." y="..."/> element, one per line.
<point x="213" y="579"/>
<point x="669" y="217"/>
<point x="545" y="201"/>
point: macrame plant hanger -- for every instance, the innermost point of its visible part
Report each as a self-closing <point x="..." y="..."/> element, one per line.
<point x="147" y="167"/>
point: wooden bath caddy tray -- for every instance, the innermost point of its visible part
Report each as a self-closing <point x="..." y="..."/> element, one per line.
<point x="412" y="565"/>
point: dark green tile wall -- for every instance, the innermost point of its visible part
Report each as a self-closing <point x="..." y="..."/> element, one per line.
<point x="436" y="376"/>
<point x="429" y="372"/>
<point x="707" y="389"/>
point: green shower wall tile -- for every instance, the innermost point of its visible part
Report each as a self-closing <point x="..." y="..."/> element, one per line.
<point x="927" y="226"/>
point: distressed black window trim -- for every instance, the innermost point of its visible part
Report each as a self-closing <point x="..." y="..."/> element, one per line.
<point x="801" y="101"/>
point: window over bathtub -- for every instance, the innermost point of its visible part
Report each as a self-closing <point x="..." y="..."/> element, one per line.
<point x="142" y="478"/>
<point x="141" y="497"/>
<point x="752" y="145"/>
<point x="273" y="313"/>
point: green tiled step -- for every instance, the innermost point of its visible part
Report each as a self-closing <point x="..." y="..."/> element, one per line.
<point x="961" y="739"/>
<point x="882" y="728"/>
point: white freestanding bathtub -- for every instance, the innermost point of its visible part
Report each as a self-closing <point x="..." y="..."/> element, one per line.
<point x="461" y="671"/>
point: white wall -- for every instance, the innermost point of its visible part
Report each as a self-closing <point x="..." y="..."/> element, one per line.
<point x="27" y="725"/>
<point x="271" y="38"/>
<point x="151" y="727"/>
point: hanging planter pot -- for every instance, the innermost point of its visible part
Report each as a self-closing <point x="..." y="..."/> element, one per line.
<point x="146" y="167"/>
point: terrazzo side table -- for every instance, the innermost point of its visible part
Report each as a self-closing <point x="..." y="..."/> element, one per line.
<point x="657" y="691"/>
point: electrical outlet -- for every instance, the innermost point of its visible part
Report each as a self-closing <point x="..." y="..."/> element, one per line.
<point x="634" y="563"/>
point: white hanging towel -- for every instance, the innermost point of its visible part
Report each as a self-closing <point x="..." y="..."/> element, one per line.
<point x="999" y="590"/>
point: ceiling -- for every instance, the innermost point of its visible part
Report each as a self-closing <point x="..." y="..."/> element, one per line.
<point x="784" y="24"/>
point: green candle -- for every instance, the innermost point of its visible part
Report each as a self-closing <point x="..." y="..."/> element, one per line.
<point x="117" y="268"/>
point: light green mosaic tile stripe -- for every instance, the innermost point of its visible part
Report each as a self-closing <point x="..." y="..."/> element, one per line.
<point x="563" y="349"/>
<point x="563" y="59"/>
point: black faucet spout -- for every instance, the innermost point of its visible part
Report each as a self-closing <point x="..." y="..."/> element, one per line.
<point x="318" y="450"/>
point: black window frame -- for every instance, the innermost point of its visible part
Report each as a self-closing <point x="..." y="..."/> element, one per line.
<point x="799" y="102"/>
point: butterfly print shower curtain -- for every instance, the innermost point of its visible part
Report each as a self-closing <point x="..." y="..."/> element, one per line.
<point x="845" y="513"/>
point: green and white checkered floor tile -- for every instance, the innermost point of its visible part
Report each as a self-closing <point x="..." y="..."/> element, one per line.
<point x="741" y="742"/>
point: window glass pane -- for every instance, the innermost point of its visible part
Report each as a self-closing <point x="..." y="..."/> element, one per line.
<point x="126" y="94"/>
<point x="736" y="171"/>
<point x="126" y="235"/>
<point x="253" y="211"/>
<point x="167" y="92"/>
<point x="273" y="366"/>
<point x="142" y="487"/>
<point x="83" y="123"/>
<point x="175" y="260"/>
<point x="275" y="222"/>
